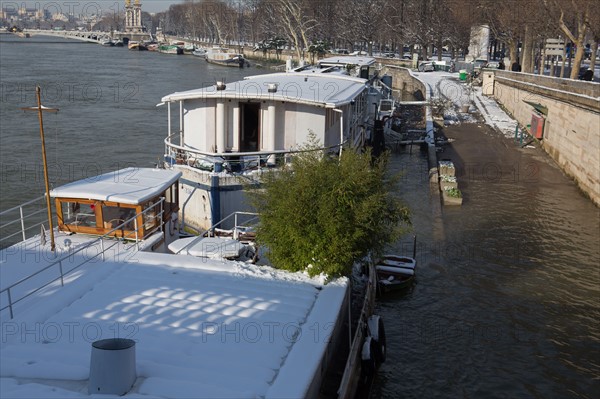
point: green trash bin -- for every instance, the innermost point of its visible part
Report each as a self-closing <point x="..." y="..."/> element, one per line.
<point x="462" y="75"/>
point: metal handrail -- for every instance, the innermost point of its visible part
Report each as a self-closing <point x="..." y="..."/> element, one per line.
<point x="206" y="232"/>
<point x="22" y="231"/>
<point x="58" y="262"/>
<point x="21" y="217"/>
<point x="14" y="208"/>
<point x="173" y="150"/>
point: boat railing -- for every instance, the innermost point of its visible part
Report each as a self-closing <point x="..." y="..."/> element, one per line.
<point x="106" y="242"/>
<point x="233" y="162"/>
<point x="359" y="140"/>
<point x="22" y="219"/>
<point x="349" y="380"/>
<point x="243" y="224"/>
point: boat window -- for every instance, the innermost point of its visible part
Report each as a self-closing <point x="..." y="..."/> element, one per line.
<point x="171" y="200"/>
<point x="79" y="214"/>
<point x="113" y="216"/>
<point x="151" y="215"/>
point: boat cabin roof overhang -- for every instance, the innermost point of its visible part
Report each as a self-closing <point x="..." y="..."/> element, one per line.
<point x="127" y="186"/>
<point x="317" y="89"/>
<point x="346" y="60"/>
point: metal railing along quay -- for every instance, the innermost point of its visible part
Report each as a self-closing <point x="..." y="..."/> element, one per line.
<point x="132" y="237"/>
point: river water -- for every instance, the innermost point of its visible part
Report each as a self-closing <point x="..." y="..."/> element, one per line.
<point x="507" y="299"/>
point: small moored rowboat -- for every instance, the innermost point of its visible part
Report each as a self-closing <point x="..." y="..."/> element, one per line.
<point x="395" y="272"/>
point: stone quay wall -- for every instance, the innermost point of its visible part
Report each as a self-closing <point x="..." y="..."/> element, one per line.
<point x="408" y="87"/>
<point x="571" y="133"/>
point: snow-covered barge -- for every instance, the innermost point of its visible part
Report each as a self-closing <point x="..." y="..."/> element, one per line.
<point x="203" y="328"/>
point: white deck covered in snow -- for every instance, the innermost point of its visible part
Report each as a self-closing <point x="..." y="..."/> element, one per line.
<point x="327" y="90"/>
<point x="128" y="186"/>
<point x="203" y="329"/>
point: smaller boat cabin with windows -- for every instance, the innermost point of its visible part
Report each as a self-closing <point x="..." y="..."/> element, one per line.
<point x="131" y="203"/>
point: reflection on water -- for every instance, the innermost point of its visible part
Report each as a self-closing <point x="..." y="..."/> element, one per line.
<point x="506" y="303"/>
<point x="108" y="116"/>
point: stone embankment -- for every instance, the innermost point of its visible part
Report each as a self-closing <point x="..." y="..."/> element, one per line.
<point x="571" y="117"/>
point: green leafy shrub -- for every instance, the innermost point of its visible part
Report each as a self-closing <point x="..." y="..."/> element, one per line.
<point x="454" y="192"/>
<point x="327" y="212"/>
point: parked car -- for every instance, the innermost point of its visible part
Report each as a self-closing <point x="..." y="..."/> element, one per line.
<point x="478" y="64"/>
<point x="493" y="65"/>
<point x="586" y="73"/>
<point x="426" y="67"/>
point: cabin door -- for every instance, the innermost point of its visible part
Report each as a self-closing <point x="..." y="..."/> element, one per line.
<point x="249" y="127"/>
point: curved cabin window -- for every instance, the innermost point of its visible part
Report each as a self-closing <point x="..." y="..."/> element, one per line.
<point x="151" y="219"/>
<point x="79" y="214"/>
<point x="116" y="219"/>
<point x="115" y="216"/>
<point x="171" y="203"/>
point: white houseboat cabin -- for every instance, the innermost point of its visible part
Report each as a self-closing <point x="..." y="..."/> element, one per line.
<point x="228" y="131"/>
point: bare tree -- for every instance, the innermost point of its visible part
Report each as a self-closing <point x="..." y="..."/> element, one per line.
<point x="363" y="20"/>
<point x="295" y="22"/>
<point x="506" y="20"/>
<point x="220" y="20"/>
<point x="573" y="18"/>
<point x="595" y="35"/>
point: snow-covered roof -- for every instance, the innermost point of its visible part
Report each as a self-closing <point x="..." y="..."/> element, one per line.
<point x="326" y="90"/>
<point x="207" y="329"/>
<point x="347" y="60"/>
<point x="128" y="186"/>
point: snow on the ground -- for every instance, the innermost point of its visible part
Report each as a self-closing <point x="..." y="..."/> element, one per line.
<point x="203" y="328"/>
<point x="447" y="86"/>
<point x="494" y="115"/>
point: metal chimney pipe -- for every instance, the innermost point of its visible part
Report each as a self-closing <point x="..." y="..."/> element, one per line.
<point x="112" y="366"/>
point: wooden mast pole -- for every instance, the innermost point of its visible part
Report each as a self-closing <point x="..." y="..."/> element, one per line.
<point x="41" y="110"/>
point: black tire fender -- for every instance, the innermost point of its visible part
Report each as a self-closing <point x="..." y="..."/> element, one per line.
<point x="368" y="365"/>
<point x="377" y="332"/>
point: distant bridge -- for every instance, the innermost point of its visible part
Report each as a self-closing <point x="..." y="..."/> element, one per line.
<point x="90" y="37"/>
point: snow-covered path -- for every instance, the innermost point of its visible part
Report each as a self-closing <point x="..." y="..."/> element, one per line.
<point x="444" y="86"/>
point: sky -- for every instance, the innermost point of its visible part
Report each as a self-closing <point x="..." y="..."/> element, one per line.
<point x="151" y="6"/>
<point x="157" y="5"/>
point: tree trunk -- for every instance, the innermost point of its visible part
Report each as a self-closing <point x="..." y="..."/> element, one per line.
<point x="562" y="65"/>
<point x="533" y="59"/>
<point x="593" y="58"/>
<point x="543" y="63"/>
<point x="577" y="61"/>
<point x="512" y="53"/>
<point x="527" y="45"/>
